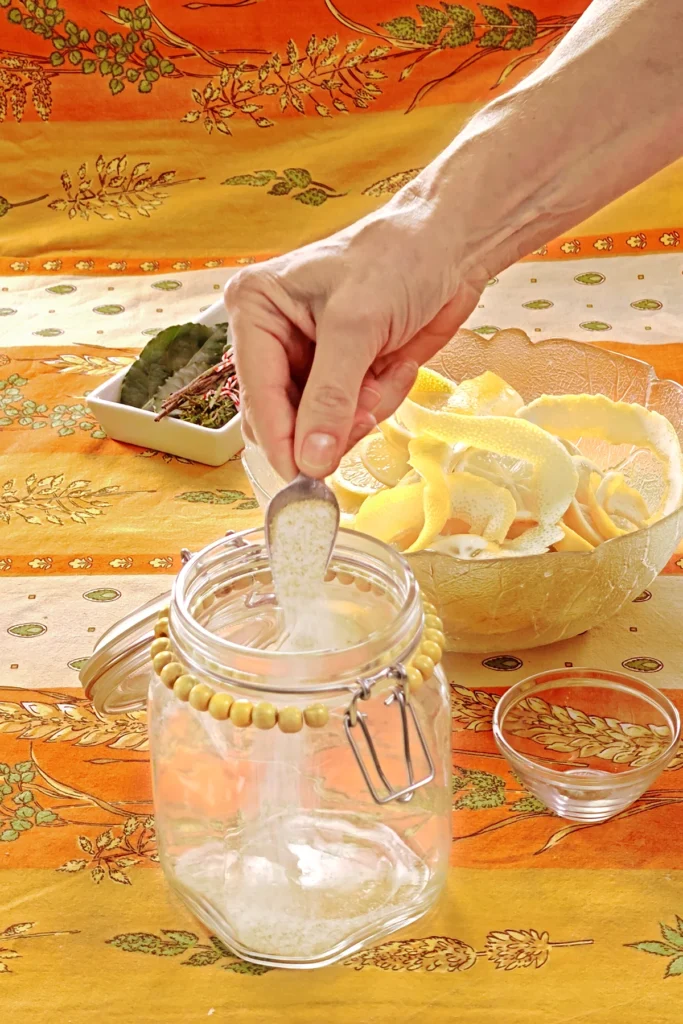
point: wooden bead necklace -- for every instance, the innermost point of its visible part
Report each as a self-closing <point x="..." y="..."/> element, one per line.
<point x="264" y="715"/>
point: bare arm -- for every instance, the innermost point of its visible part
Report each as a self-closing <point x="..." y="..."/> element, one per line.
<point x="328" y="338"/>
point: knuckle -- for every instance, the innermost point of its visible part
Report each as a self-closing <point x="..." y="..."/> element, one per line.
<point x="331" y="399"/>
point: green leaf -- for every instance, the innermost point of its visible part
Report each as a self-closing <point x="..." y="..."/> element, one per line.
<point x="56" y="60"/>
<point x="494" y="15"/>
<point x="494" y="37"/>
<point x="167" y="352"/>
<point x="210" y="497"/>
<point x="26" y="797"/>
<point x="675" y="968"/>
<point x="461" y="34"/>
<point x="520" y="38"/>
<point x="591" y="277"/>
<point x="45" y="817"/>
<point x="595" y="325"/>
<point x="182" y="938"/>
<point x="109" y="310"/>
<point x="483" y="789"/>
<point x="280" y="188"/>
<point x="486" y="329"/>
<point x="167" y="286"/>
<point x="297" y="176"/>
<point x="674" y="937"/>
<point x="528" y="803"/>
<point x="220" y="946"/>
<point x="241" y="967"/>
<point x="21" y="824"/>
<point x="646" y="304"/>
<point x="659" y="948"/>
<point x="143" y="942"/>
<point x="203" y="958"/>
<point x="432" y="16"/>
<point x="257" y="179"/>
<point x="89" y="66"/>
<point x="8" y="836"/>
<point x="523" y="17"/>
<point x="312" y="197"/>
<point x="116" y="86"/>
<point x="538" y="304"/>
<point x="401" y="28"/>
<point x="61" y="289"/>
<point x="48" y="332"/>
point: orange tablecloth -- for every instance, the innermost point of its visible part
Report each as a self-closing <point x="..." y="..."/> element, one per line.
<point x="256" y="126"/>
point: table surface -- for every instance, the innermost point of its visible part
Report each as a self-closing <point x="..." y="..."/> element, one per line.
<point x="542" y="920"/>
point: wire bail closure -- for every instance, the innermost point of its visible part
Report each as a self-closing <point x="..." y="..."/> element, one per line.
<point x="353" y="717"/>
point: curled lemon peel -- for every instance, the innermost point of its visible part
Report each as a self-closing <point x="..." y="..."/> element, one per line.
<point x="554" y="476"/>
<point x="572" y="417"/>
<point x="430" y="458"/>
<point x="388" y="514"/>
<point x="618" y="498"/>
<point x="485" y="395"/>
<point x="572" y="541"/>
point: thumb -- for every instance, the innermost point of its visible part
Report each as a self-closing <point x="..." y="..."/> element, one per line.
<point x="328" y="405"/>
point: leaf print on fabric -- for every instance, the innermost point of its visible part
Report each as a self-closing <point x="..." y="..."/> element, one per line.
<point x="21" y="77"/>
<point x="21" y="931"/>
<point x="295" y="182"/>
<point x="74" y="722"/>
<point x="51" y="500"/>
<point x="6" y="206"/>
<point x="113" y="852"/>
<point x="116" y="189"/>
<point x="477" y="790"/>
<point x="21" y="809"/>
<point x="19" y="412"/>
<point x="671" y="946"/>
<point x="508" y="950"/>
<point x="169" y="943"/>
<point x="92" y="366"/>
<point x="391" y="185"/>
<point x="220" y="496"/>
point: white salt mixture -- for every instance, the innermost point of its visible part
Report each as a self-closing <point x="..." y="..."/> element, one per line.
<point x="301" y="539"/>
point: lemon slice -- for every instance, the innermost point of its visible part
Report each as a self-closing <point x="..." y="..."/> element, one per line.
<point x="382" y="460"/>
<point x="554" y="477"/>
<point x="577" y="519"/>
<point x="575" y="416"/>
<point x="352" y="483"/>
<point x="395" y="433"/>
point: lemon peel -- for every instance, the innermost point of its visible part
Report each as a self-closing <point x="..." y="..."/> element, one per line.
<point x="572" y="541"/>
<point x="469" y="546"/>
<point x="618" y="498"/>
<point x="382" y="460"/>
<point x="554" y="476"/>
<point x="595" y="416"/>
<point x="429" y="458"/>
<point x="389" y="514"/>
<point x="485" y="395"/>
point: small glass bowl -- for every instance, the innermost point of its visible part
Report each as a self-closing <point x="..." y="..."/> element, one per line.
<point x="586" y="742"/>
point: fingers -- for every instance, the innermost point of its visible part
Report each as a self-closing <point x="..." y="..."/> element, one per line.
<point x="265" y="383"/>
<point x="329" y="405"/>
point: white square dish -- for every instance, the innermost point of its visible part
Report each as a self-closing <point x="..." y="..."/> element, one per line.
<point x="210" y="446"/>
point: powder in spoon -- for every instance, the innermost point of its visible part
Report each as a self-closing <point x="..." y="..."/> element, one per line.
<point x="301" y="539"/>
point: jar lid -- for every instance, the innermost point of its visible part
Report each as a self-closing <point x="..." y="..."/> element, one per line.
<point x="116" y="676"/>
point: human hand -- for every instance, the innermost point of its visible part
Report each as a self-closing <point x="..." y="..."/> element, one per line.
<point x="328" y="339"/>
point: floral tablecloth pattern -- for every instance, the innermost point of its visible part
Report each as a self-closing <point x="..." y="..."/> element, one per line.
<point x="145" y="153"/>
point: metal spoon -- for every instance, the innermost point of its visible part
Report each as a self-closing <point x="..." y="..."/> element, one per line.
<point x="303" y="488"/>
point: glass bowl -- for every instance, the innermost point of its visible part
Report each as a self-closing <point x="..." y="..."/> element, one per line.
<point x="586" y="742"/>
<point x="510" y="604"/>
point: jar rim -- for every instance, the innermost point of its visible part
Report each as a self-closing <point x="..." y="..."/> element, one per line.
<point x="316" y="671"/>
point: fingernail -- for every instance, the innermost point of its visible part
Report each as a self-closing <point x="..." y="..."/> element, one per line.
<point x="317" y="453"/>
<point x="369" y="398"/>
<point x="404" y="374"/>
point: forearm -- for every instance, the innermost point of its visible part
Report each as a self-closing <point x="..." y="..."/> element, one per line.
<point x="602" y="114"/>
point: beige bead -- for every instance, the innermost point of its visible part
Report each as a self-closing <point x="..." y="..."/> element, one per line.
<point x="436" y="635"/>
<point x="316" y="716"/>
<point x="365" y="586"/>
<point x="161" y="660"/>
<point x="264" y="715"/>
<point x="429" y="608"/>
<point x="240" y="713"/>
<point x="345" y="578"/>
<point x="200" y="696"/>
<point x="219" y="706"/>
<point x="162" y="643"/>
<point x="330" y="575"/>
<point x="161" y="628"/>
<point x="424" y="665"/>
<point x="171" y="672"/>
<point x="183" y="686"/>
<point x="290" y="720"/>
<point x="432" y="650"/>
<point x="433" y="622"/>
<point x="415" y="679"/>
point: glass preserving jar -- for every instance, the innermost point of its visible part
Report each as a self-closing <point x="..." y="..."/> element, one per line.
<point x="302" y="801"/>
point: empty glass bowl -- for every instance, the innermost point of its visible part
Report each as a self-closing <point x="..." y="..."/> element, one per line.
<point x="586" y="742"/>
